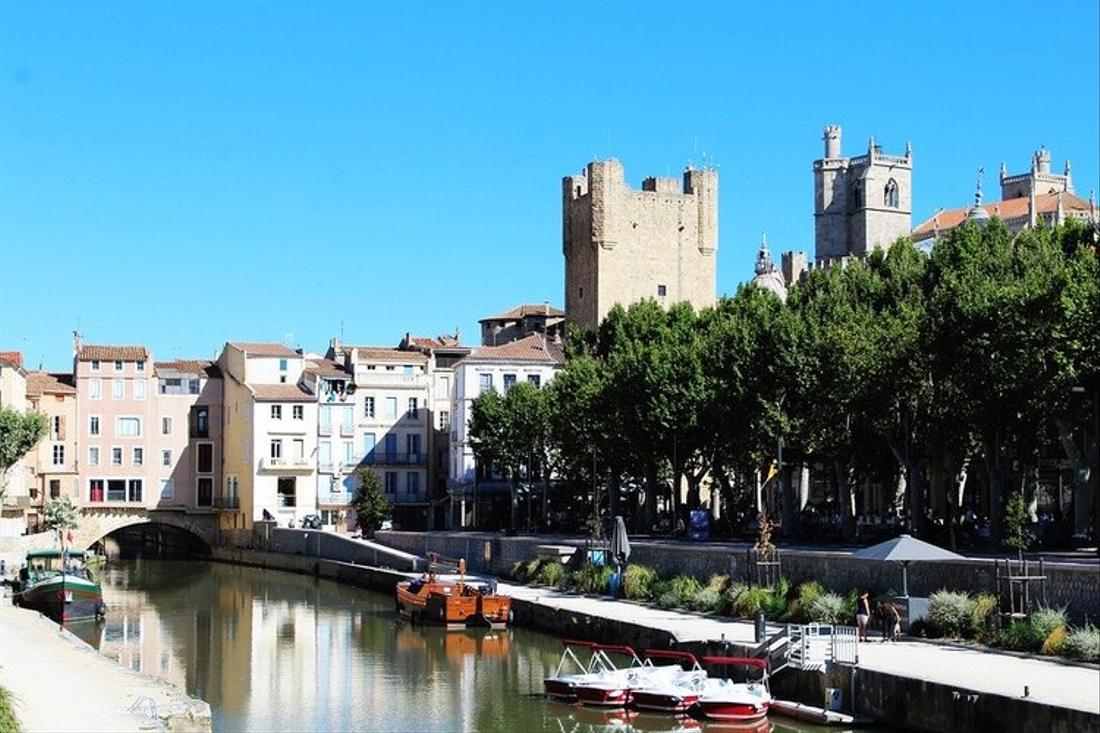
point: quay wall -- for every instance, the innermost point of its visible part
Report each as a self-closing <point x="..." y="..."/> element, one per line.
<point x="1075" y="586"/>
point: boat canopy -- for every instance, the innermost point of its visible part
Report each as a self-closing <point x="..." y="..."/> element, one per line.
<point x="48" y="554"/>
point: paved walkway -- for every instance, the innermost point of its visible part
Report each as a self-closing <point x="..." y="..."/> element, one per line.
<point x="58" y="683"/>
<point x="1050" y="681"/>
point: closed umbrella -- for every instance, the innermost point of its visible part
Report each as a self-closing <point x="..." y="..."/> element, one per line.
<point x="905" y="549"/>
<point x="620" y="543"/>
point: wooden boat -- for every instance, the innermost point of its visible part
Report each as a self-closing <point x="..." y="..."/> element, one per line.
<point x="452" y="603"/>
<point x="60" y="586"/>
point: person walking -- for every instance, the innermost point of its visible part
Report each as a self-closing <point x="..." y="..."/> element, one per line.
<point x="863" y="615"/>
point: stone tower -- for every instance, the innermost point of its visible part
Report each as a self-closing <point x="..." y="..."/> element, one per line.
<point x="1038" y="181"/>
<point x="859" y="203"/>
<point x="622" y="245"/>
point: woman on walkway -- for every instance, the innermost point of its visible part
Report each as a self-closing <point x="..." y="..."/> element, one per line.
<point x="863" y="615"/>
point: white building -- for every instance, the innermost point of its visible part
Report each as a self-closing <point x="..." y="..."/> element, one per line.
<point x="531" y="359"/>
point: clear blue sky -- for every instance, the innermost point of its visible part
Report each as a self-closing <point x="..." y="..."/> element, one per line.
<point x="182" y="174"/>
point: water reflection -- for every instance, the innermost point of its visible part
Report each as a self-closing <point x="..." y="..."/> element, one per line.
<point x="277" y="651"/>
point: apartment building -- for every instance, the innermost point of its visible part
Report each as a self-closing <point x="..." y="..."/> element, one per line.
<point x="339" y="446"/>
<point x="189" y="432"/>
<point x="389" y="406"/>
<point x="269" y="435"/>
<point x="116" y="403"/>
<point x="15" y="482"/>
<point x="478" y="497"/>
<point x="54" y="460"/>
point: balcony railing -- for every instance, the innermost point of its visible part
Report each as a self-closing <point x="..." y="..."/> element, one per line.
<point x="369" y="379"/>
<point x="347" y="431"/>
<point x="227" y="502"/>
<point x="405" y="497"/>
<point x="286" y="464"/>
<point x="325" y="430"/>
<point x="395" y="459"/>
<point x="337" y="497"/>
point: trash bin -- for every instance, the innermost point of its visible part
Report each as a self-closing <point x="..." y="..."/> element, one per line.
<point x="615" y="584"/>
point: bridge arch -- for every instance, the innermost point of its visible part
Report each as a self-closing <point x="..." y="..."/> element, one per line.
<point x="95" y="523"/>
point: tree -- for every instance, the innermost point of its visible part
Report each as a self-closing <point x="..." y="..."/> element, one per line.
<point x="1017" y="534"/>
<point x="19" y="432"/>
<point x="59" y="514"/>
<point x="370" y="503"/>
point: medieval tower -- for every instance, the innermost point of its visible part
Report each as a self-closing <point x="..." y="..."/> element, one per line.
<point x="622" y="245"/>
<point x="860" y="203"/>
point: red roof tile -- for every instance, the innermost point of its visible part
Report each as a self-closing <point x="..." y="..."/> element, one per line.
<point x="325" y="368"/>
<point x="264" y="349"/>
<point x="40" y="383"/>
<point x="281" y="393"/>
<point x="90" y="352"/>
<point x="533" y="348"/>
<point x="12" y="357"/>
<point x="198" y="367"/>
<point x="527" y="309"/>
<point x="1016" y="208"/>
<point x="385" y="353"/>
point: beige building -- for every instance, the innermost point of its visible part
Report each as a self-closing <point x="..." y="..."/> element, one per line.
<point x="56" y="460"/>
<point x="623" y="245"/>
<point x="521" y="321"/>
<point x="16" y="482"/>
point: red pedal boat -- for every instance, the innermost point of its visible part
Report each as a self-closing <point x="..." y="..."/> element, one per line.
<point x="735" y="702"/>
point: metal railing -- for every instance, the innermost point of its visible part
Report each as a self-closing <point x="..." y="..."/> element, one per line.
<point x="813" y="646"/>
<point x="226" y="502"/>
<point x="395" y="459"/>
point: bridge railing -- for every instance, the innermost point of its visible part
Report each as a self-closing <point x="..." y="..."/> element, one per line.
<point x="813" y="646"/>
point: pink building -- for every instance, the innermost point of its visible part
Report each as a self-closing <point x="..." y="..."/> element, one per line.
<point x="188" y="432"/>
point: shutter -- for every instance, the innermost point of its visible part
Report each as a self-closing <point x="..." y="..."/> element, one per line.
<point x="61" y="427"/>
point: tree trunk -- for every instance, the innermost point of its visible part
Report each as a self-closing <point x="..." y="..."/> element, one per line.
<point x="1082" y="473"/>
<point x="650" y="496"/>
<point x="614" y="486"/>
<point x="996" y="489"/>
<point x="845" y="476"/>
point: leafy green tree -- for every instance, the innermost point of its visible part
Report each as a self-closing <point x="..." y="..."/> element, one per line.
<point x="19" y="432"/>
<point x="59" y="514"/>
<point x="1017" y="535"/>
<point x="370" y="504"/>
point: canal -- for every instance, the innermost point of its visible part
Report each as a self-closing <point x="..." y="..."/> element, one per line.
<point x="276" y="651"/>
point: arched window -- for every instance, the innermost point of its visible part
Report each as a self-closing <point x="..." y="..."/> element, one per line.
<point x="890" y="194"/>
<point x="857" y="197"/>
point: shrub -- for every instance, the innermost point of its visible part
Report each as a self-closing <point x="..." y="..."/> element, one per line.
<point x="1083" y="643"/>
<point x="751" y="601"/>
<point x="776" y="605"/>
<point x="828" y="608"/>
<point x="551" y="574"/>
<point x="526" y="572"/>
<point x="591" y="578"/>
<point x="709" y="600"/>
<point x="799" y="609"/>
<point x="1021" y="636"/>
<point x="668" y="599"/>
<point x="686" y="587"/>
<point x="949" y="612"/>
<point x="718" y="583"/>
<point x="1055" y="642"/>
<point x="639" y="582"/>
<point x="981" y="610"/>
<point x="1046" y="620"/>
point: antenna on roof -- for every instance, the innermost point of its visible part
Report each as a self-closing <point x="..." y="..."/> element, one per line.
<point x="341" y="329"/>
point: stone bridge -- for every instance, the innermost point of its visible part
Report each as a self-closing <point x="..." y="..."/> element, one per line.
<point x="95" y="523"/>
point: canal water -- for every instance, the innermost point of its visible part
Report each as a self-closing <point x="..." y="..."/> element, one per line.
<point x="275" y="651"/>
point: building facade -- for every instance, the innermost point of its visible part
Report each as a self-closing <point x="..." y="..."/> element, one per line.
<point x="622" y="245"/>
<point x="55" y="459"/>
<point x="523" y="320"/>
<point x="189" y="421"/>
<point x="15" y="482"/>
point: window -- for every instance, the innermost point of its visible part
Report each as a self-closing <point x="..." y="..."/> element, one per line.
<point x="509" y="381"/>
<point x="95" y="365"/>
<point x="282" y="379"/>
<point x="205" y="457"/>
<point x="93" y="425"/>
<point x="95" y="489"/>
<point x="324" y="453"/>
<point x="391" y="408"/>
<point x="116" y="456"/>
<point x="93" y="456"/>
<point x="200" y="417"/>
<point x="139" y="389"/>
<point x="326" y="419"/>
<point x="192" y="386"/>
<point x="57" y="428"/>
<point x="391" y="447"/>
<point x="412" y="482"/>
<point x="890" y="194"/>
<point x="167" y="490"/>
<point x="485" y="381"/>
<point x="368" y="447"/>
<point x="662" y="291"/>
<point x="128" y="427"/>
<point x="231" y="487"/>
<point x="282" y="365"/>
<point x="276" y="447"/>
<point x="140" y="365"/>
<point x="287" y="491"/>
<point x="347" y="420"/>
<point x="116" y="490"/>
<point x="55" y="488"/>
<point x="349" y="453"/>
<point x="414" y="412"/>
<point x="276" y="412"/>
<point x="118" y="389"/>
<point x="94" y="387"/>
<point x="134" y="493"/>
<point x="166" y="458"/>
<point x="408" y="370"/>
<point x="412" y="445"/>
<point x="59" y="454"/>
<point x="857" y="197"/>
<point x="138" y="456"/>
<point x="444" y="419"/>
<point x="391" y="482"/>
<point x="298" y="448"/>
<point x="166" y="426"/>
<point x="118" y="366"/>
<point x="298" y="412"/>
<point x="534" y="379"/>
<point x="204" y="494"/>
<point x="368" y="407"/>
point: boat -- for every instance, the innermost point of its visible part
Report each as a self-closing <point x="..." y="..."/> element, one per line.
<point x="571" y="671"/>
<point x="616" y="688"/>
<point x="59" y="585"/>
<point x="741" y="702"/>
<point x="674" y="693"/>
<point x="453" y="603"/>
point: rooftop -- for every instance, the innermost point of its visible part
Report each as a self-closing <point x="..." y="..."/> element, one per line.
<point x="12" y="357"/>
<point x="196" y="367"/>
<point x="528" y="309"/>
<point x="40" y="383"/>
<point x="325" y="368"/>
<point x="281" y="393"/>
<point x="1016" y="208"/>
<point x="387" y="353"/>
<point x="93" y="352"/>
<point x="261" y="349"/>
<point x="533" y="348"/>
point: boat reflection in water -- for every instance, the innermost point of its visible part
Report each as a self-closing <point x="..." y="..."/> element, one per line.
<point x="572" y="718"/>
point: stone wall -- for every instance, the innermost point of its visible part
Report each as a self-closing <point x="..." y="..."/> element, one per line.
<point x="1075" y="586"/>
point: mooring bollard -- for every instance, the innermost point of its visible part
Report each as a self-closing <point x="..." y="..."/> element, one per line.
<point x="761" y="627"/>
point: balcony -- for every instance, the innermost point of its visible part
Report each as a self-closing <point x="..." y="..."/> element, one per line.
<point x="405" y="497"/>
<point x="396" y="459"/>
<point x="373" y="379"/>
<point x="347" y="431"/>
<point x="287" y="465"/>
<point x="324" y="430"/>
<point x="226" y="502"/>
<point x="341" y="498"/>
